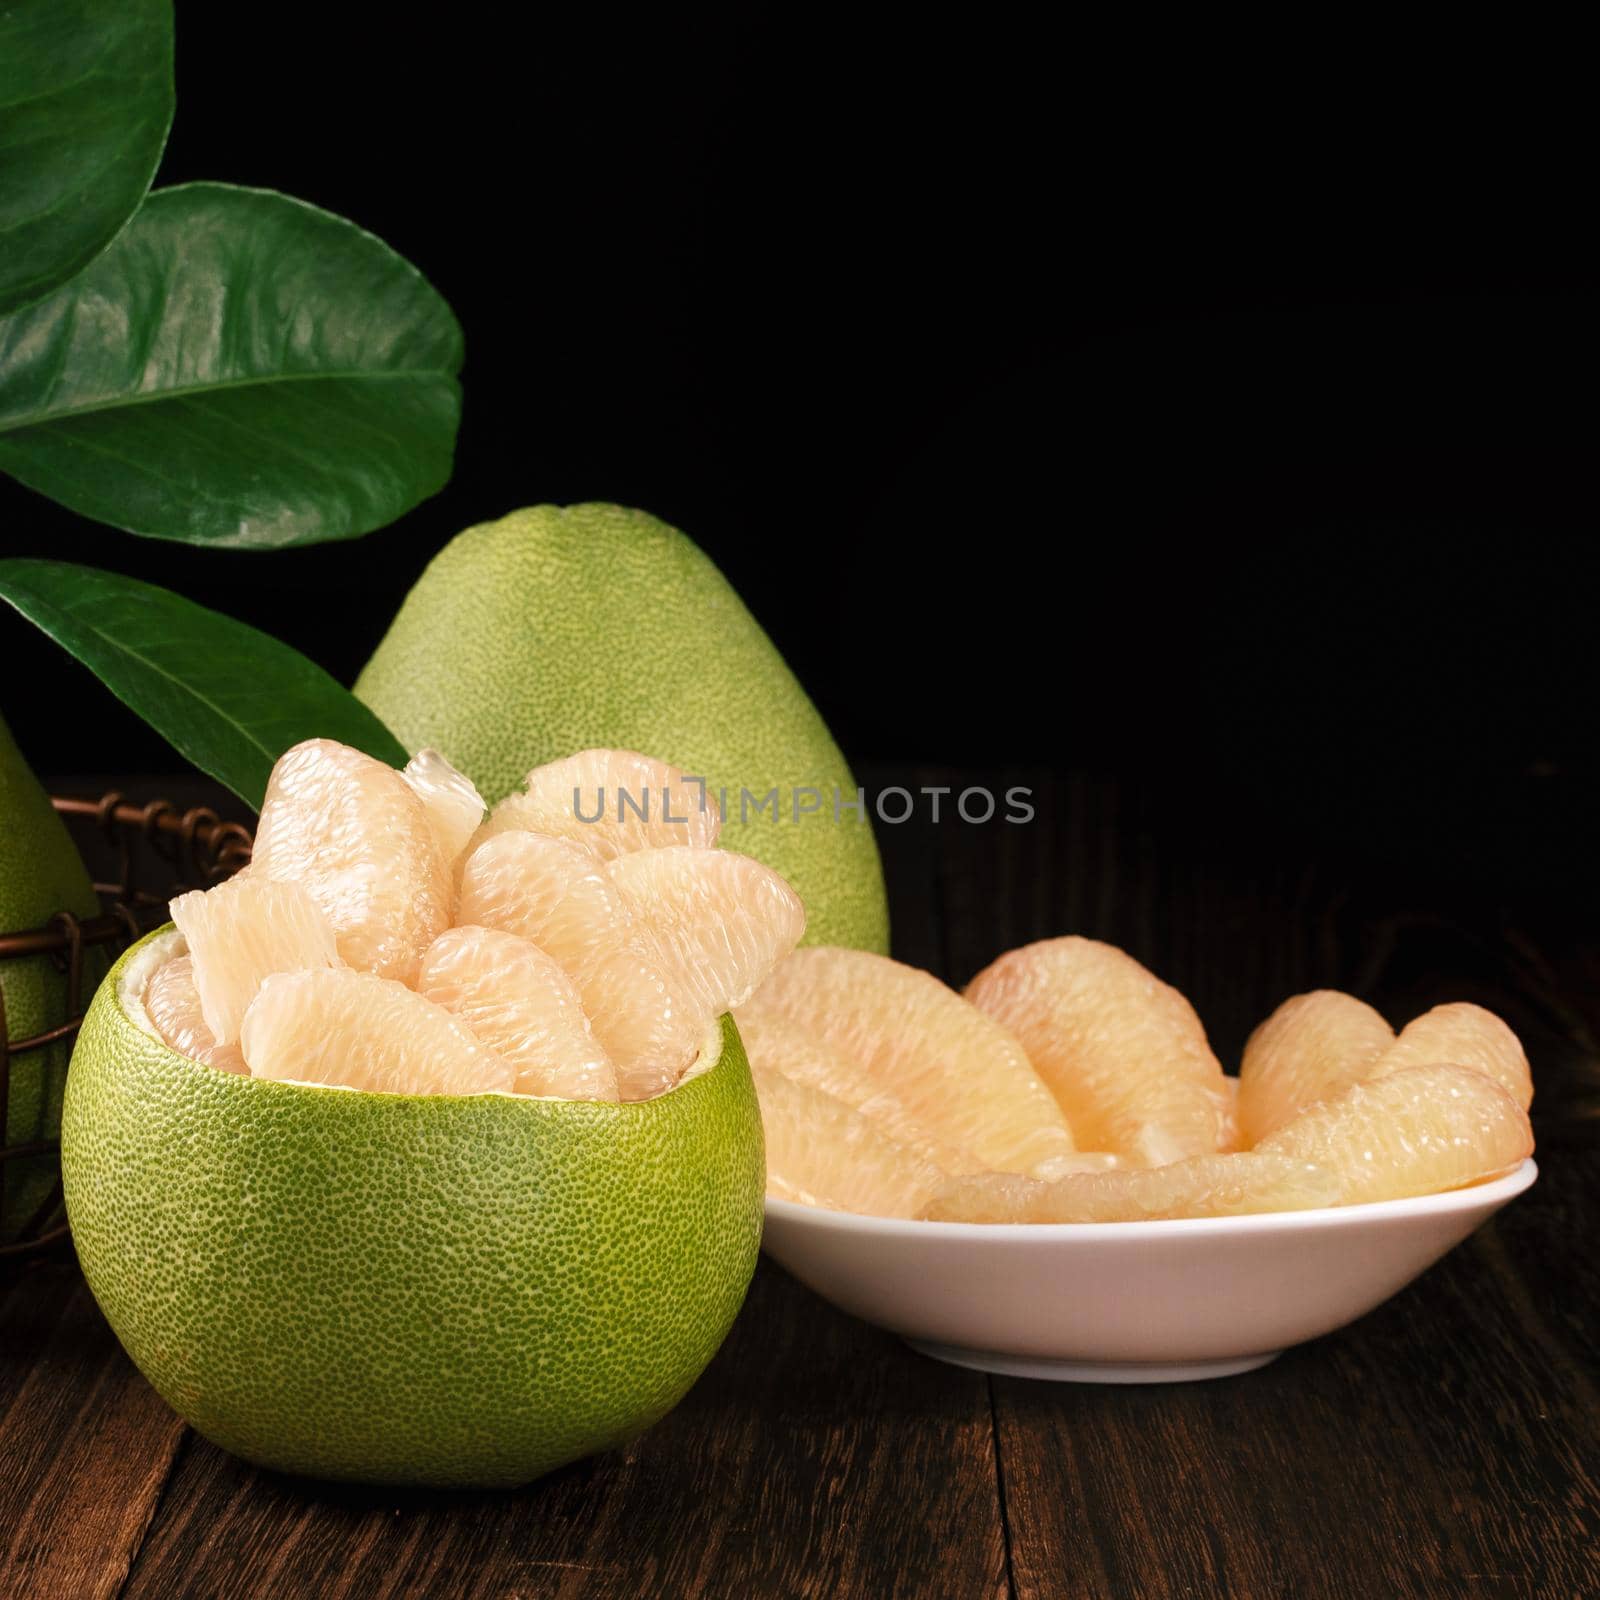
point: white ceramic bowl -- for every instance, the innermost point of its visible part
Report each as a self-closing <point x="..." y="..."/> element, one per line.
<point x="1125" y="1302"/>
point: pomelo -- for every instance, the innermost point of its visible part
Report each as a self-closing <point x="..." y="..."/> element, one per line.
<point x="432" y="1289"/>
<point x="40" y="874"/>
<point x="903" y="1046"/>
<point x="1123" y="1053"/>
<point x="556" y="629"/>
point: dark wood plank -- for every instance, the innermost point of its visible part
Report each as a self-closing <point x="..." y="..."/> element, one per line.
<point x="85" y="1443"/>
<point x="815" y="1458"/>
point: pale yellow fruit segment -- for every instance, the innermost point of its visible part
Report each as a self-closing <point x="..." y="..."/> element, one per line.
<point x="1123" y="1053"/>
<point x="1420" y="1130"/>
<point x="1314" y="1045"/>
<point x="1464" y="1035"/>
<point x="775" y="1044"/>
<point x="547" y="891"/>
<point x="521" y="1004"/>
<point x="648" y="1032"/>
<point x="340" y="1026"/>
<point x="717" y="922"/>
<point x="240" y="933"/>
<point x="558" y="897"/>
<point x="451" y="800"/>
<point x="821" y="1153"/>
<point x="950" y="1068"/>
<point x="1201" y="1186"/>
<point x="172" y="1002"/>
<point x="353" y="833"/>
<point x="611" y="802"/>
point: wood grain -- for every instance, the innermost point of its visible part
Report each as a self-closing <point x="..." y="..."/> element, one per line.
<point x="85" y="1444"/>
<point x="814" y="1458"/>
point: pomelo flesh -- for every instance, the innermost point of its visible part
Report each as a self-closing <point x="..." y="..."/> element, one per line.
<point x="453" y="805"/>
<point x="427" y="1289"/>
<point x="354" y="834"/>
<point x="584" y="973"/>
<point x="822" y="1153"/>
<point x="359" y="1031"/>
<point x="903" y="1033"/>
<point x="716" y="922"/>
<point x="1463" y="1035"/>
<point x="776" y="1045"/>
<point x="519" y="1002"/>
<point x="558" y="629"/>
<point x="548" y="891"/>
<point x="557" y="896"/>
<point x="1199" y="1186"/>
<point x="172" y="1002"/>
<point x="611" y="802"/>
<point x="1123" y="1053"/>
<point x="1314" y="1045"/>
<point x="242" y="931"/>
<point x="1418" y="1130"/>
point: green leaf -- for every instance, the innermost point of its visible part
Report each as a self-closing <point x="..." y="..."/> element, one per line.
<point x="85" y="105"/>
<point x="228" y="697"/>
<point x="238" y="369"/>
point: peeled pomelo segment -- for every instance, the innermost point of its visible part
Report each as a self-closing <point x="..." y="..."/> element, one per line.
<point x="354" y="835"/>
<point x="821" y="1153"/>
<point x="451" y="800"/>
<point x="1463" y="1035"/>
<point x="1313" y="1046"/>
<point x="774" y="1044"/>
<point x="1123" y="1053"/>
<point x="901" y="1032"/>
<point x="172" y="1002"/>
<point x="340" y="1026"/>
<point x="520" y="1003"/>
<point x="558" y="897"/>
<point x="1232" y="1136"/>
<point x="547" y="891"/>
<point x="717" y="922"/>
<point x="1201" y="1186"/>
<point x="1421" y="1130"/>
<point x="241" y="932"/>
<point x="612" y="802"/>
<point x="650" y="1035"/>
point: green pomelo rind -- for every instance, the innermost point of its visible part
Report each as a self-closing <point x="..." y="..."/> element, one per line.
<point x="558" y="629"/>
<point x="458" y="1291"/>
<point x="41" y="873"/>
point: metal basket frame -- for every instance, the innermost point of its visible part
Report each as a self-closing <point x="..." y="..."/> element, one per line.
<point x="195" y="849"/>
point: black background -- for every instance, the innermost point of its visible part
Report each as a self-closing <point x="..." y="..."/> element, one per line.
<point x="1213" y="408"/>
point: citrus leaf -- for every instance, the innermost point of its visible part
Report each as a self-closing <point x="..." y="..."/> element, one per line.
<point x="230" y="698"/>
<point x="237" y="369"/>
<point x="85" y="105"/>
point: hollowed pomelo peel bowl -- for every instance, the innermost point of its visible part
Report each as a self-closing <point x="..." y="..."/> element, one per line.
<point x="1125" y="1302"/>
<point x="428" y="1289"/>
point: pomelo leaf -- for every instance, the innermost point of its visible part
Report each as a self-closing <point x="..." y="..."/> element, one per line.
<point x="85" y="105"/>
<point x="237" y="369"/>
<point x="228" y="697"/>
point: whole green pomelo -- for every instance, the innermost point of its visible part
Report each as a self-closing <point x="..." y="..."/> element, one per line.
<point x="431" y="1289"/>
<point x="559" y="629"/>
<point x="41" y="873"/>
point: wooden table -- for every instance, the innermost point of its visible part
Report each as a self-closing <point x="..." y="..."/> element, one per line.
<point x="1448" y="1444"/>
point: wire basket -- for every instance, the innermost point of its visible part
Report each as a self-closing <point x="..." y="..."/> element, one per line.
<point x="158" y="852"/>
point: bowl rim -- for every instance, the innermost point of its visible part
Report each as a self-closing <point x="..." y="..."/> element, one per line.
<point x="1474" y="1197"/>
